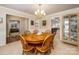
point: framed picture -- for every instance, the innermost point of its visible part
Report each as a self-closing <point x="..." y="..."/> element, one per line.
<point x="44" y="23"/>
<point x="32" y="22"/>
<point x="14" y="26"/>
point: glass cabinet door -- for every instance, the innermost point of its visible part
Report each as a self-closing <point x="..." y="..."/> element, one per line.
<point x="66" y="27"/>
<point x="73" y="28"/>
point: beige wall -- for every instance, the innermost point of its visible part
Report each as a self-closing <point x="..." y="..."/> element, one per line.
<point x="40" y="27"/>
<point x="3" y="12"/>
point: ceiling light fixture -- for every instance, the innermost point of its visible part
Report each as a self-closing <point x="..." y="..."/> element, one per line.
<point x="40" y="13"/>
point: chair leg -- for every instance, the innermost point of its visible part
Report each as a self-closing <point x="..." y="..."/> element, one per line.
<point x="35" y="51"/>
<point x="43" y="53"/>
<point x="52" y="45"/>
<point x="49" y="50"/>
<point x="22" y="52"/>
<point x="46" y="53"/>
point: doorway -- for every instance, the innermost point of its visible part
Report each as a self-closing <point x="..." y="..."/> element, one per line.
<point x="14" y="25"/>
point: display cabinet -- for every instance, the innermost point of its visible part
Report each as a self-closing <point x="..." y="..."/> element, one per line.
<point x="66" y="27"/>
<point x="70" y="28"/>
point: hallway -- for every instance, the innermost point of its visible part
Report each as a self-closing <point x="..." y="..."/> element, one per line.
<point x="60" y="48"/>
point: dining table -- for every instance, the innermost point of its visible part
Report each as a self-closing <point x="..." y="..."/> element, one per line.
<point x="34" y="39"/>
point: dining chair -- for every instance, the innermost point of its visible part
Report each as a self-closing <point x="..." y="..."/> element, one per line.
<point x="52" y="43"/>
<point x="27" y="32"/>
<point x="45" y="48"/>
<point x="47" y="31"/>
<point x="26" y="48"/>
<point x="35" y="31"/>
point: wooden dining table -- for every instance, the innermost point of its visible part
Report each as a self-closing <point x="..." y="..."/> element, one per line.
<point x="34" y="39"/>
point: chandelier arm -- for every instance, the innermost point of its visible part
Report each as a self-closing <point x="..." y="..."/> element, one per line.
<point x="40" y="13"/>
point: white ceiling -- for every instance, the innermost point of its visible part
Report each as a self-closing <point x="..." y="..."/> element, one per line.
<point x="49" y="8"/>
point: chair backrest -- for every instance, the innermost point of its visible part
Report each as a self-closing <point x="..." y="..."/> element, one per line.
<point x="47" y="40"/>
<point x="47" y="31"/>
<point x="27" y="32"/>
<point x="35" y="31"/>
<point x="23" y="41"/>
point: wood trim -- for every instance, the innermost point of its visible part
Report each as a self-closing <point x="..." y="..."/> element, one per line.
<point x="78" y="30"/>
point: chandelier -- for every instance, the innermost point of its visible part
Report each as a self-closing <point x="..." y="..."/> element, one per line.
<point x="40" y="13"/>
